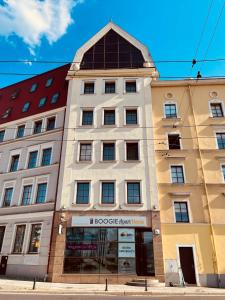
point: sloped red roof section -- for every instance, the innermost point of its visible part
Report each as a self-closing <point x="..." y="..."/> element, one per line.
<point x="13" y="97"/>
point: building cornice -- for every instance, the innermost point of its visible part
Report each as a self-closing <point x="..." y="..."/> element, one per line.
<point x="188" y="82"/>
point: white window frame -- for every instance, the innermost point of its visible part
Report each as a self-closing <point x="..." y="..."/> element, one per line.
<point x="12" y="153"/>
<point x="42" y="127"/>
<point x="125" y="150"/>
<point x="46" y="122"/>
<point x="103" y="116"/>
<point x="221" y="168"/>
<point x="188" y="207"/>
<point x="25" y="182"/>
<point x="214" y="101"/>
<point x="81" y="116"/>
<point x="177" y="165"/>
<point x="216" y="142"/>
<point x="164" y="109"/>
<point x="6" y="185"/>
<point x="88" y="81"/>
<point x="137" y="108"/>
<point x="29" y="150"/>
<point x="38" y="180"/>
<point x="15" y="133"/>
<point x="110" y="80"/>
<point x="75" y="193"/>
<point x="115" y="193"/>
<point x="131" y="80"/>
<point x="79" y="148"/>
<point x="109" y="142"/>
<point x="28" y="229"/>
<point x="141" y="192"/>
<point x="14" y="237"/>
<point x="42" y="147"/>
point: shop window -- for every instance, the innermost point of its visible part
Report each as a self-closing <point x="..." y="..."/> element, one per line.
<point x="33" y="87"/>
<point x="35" y="236"/>
<point x="49" y="82"/>
<point x="109" y="117"/>
<point x="216" y="109"/>
<point x="27" y="194"/>
<point x="132" y="151"/>
<point x="26" y="107"/>
<point x="2" y="135"/>
<point x="131" y="116"/>
<point x="181" y="212"/>
<point x="87" y="117"/>
<point x="130" y="86"/>
<point x="110" y="87"/>
<point x="37" y="127"/>
<point x="14" y="163"/>
<point x="46" y="157"/>
<point x="42" y="102"/>
<point x="108" y="151"/>
<point x="2" y="233"/>
<point x="174" y="141"/>
<point x="54" y="98"/>
<point x="19" y="239"/>
<point x="170" y="111"/>
<point x="108" y="192"/>
<point x="177" y="174"/>
<point x="89" y="87"/>
<point x="85" y="152"/>
<point x="82" y="193"/>
<point x="41" y="193"/>
<point x="7" y="197"/>
<point x="133" y="193"/>
<point x="20" y="131"/>
<point x="220" y="140"/>
<point x="50" y="123"/>
<point x="32" y="162"/>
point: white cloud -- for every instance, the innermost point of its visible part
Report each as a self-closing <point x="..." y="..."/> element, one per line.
<point x="32" y="20"/>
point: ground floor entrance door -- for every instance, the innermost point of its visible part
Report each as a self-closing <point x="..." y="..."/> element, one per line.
<point x="3" y="265"/>
<point x="187" y="264"/>
<point x="144" y="253"/>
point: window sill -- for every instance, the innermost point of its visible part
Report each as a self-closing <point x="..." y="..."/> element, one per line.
<point x="86" y="126"/>
<point x="109" y="126"/>
<point x="135" y="161"/>
<point x="216" y="118"/>
<point x="130" y="93"/>
<point x="134" y="204"/>
<point x="107" y="204"/>
<point x="131" y="125"/>
<point x="87" y="94"/>
<point x="81" y="204"/>
<point x="173" y="118"/>
<point x="110" y="93"/>
<point x="84" y="161"/>
<point x="108" y="161"/>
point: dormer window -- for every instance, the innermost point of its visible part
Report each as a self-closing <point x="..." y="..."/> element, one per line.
<point x="15" y="94"/>
<point x="26" y="107"/>
<point x="33" y="87"/>
<point x="42" y="102"/>
<point x="6" y="113"/>
<point x="49" y="82"/>
<point x="55" y="98"/>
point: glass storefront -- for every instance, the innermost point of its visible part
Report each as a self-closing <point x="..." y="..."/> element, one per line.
<point x="108" y="251"/>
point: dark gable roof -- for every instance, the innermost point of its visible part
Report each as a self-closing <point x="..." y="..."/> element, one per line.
<point x="13" y="97"/>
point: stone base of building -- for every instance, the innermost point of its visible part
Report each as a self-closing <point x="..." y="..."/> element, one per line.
<point x="26" y="272"/>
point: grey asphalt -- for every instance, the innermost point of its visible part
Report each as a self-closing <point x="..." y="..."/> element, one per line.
<point x="109" y="297"/>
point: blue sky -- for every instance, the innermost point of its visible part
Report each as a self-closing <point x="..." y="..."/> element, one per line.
<point x="55" y="29"/>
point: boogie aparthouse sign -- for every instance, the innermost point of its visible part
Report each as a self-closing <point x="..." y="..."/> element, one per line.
<point x="108" y="221"/>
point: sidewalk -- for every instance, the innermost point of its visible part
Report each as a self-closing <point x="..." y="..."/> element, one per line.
<point x="15" y="286"/>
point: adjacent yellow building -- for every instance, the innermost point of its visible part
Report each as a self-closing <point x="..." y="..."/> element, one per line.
<point x="189" y="140"/>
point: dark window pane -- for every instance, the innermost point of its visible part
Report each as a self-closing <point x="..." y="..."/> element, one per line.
<point x="37" y="127"/>
<point x="7" y="197"/>
<point x="55" y="98"/>
<point x="109" y="117"/>
<point x="14" y="163"/>
<point x="82" y="193"/>
<point x="20" y="131"/>
<point x="131" y="116"/>
<point x="32" y="159"/>
<point x="87" y="118"/>
<point x="2" y="233"/>
<point x="216" y="109"/>
<point x="26" y="107"/>
<point x="19" y="238"/>
<point x="2" y="135"/>
<point x="223" y="170"/>
<point x="174" y="141"/>
<point x="108" y="151"/>
<point x="46" y="157"/>
<point x="170" y="111"/>
<point x="49" y="82"/>
<point x="110" y="87"/>
<point x="33" y="87"/>
<point x="41" y="193"/>
<point x="50" y="124"/>
<point x="130" y="86"/>
<point x="89" y="88"/>
<point x="181" y="212"/>
<point x="221" y="140"/>
<point x="132" y="151"/>
<point x="27" y="193"/>
<point x="35" y="235"/>
<point x="85" y="152"/>
<point x="133" y="193"/>
<point x="177" y="174"/>
<point x="42" y="102"/>
<point x="108" y="192"/>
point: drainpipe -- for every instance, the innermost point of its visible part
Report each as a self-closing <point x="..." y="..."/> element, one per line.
<point x="215" y="260"/>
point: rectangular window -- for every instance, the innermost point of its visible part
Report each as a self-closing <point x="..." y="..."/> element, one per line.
<point x="109" y="117"/>
<point x="131" y="87"/>
<point x="174" y="141"/>
<point x="50" y="123"/>
<point x="132" y="151"/>
<point x="82" y="193"/>
<point x="46" y="157"/>
<point x="2" y="135"/>
<point x="19" y="238"/>
<point x="131" y="116"/>
<point x="20" y="131"/>
<point x="32" y="162"/>
<point x="216" y="109"/>
<point x="108" y="151"/>
<point x="223" y="172"/>
<point x="87" y="118"/>
<point x="133" y="193"/>
<point x="177" y="174"/>
<point x="85" y="152"/>
<point x="41" y="193"/>
<point x="37" y="127"/>
<point x="108" y="193"/>
<point x="27" y="194"/>
<point x="110" y="87"/>
<point x="89" y="88"/>
<point x="2" y="233"/>
<point x="35" y="235"/>
<point x="221" y="140"/>
<point x="170" y="111"/>
<point x="181" y="212"/>
<point x="14" y="163"/>
<point x="7" y="197"/>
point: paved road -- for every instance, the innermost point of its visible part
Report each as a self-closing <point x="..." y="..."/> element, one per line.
<point x="97" y="297"/>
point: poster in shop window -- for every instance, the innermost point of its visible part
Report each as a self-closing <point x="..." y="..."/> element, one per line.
<point x="126" y="266"/>
<point x="126" y="250"/>
<point x="126" y="235"/>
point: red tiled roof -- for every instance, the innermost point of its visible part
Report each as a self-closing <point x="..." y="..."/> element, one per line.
<point x="15" y="106"/>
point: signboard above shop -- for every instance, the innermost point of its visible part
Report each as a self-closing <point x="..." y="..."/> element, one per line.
<point x="109" y="221"/>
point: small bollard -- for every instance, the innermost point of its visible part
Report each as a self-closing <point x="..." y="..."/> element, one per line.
<point x="106" y="285"/>
<point x="146" y="285"/>
<point x="34" y="283"/>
